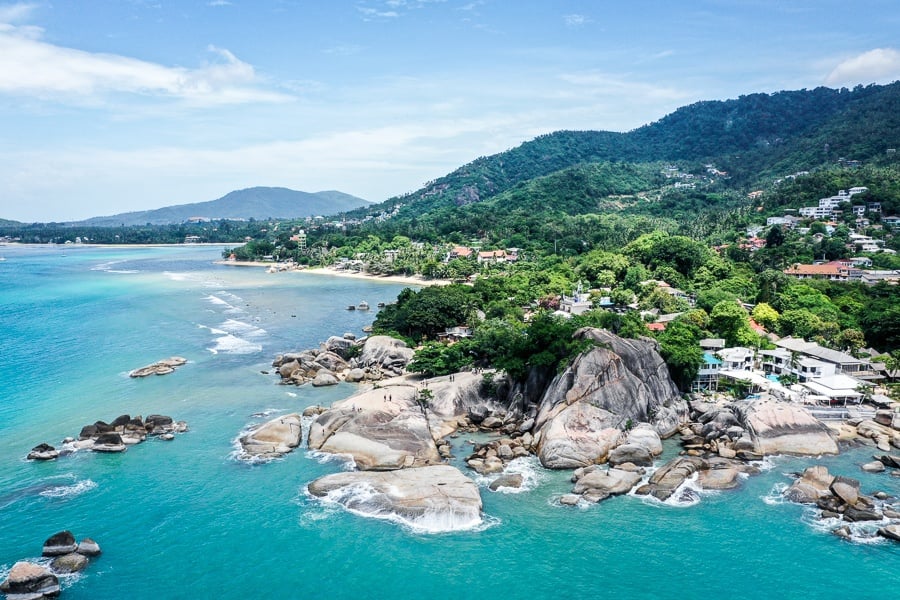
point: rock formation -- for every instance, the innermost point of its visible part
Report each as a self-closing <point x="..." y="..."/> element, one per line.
<point x="784" y="428"/>
<point x="377" y="439"/>
<point x="611" y="386"/>
<point x="124" y="431"/>
<point x="274" y="438"/>
<point x="163" y="367"/>
<point x="434" y="499"/>
<point x="30" y="581"/>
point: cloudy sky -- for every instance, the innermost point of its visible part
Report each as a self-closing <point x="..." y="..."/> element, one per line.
<point x="108" y="106"/>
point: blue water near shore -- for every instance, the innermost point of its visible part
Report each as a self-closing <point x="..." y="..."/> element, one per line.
<point x="184" y="519"/>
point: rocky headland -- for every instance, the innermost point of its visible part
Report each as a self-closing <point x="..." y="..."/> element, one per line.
<point x="604" y="417"/>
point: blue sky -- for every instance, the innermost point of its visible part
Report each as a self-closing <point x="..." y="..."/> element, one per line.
<point x="108" y="106"/>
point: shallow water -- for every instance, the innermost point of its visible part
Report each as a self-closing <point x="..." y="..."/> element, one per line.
<point x="185" y="518"/>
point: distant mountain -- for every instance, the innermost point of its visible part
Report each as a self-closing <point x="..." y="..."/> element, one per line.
<point x="256" y="203"/>
<point x="8" y="223"/>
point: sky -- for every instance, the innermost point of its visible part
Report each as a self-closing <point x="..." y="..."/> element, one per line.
<point x="109" y="106"/>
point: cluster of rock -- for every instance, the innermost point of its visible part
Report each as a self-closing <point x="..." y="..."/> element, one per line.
<point x="345" y="359"/>
<point x="124" y="431"/>
<point x="882" y="432"/>
<point x="619" y="382"/>
<point x="31" y="581"/>
<point x="273" y="438"/>
<point x="882" y="463"/>
<point x="494" y="456"/>
<point x="751" y="430"/>
<point x="162" y="367"/>
<point x="839" y="497"/>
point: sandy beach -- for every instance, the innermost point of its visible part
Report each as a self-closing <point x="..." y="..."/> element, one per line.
<point x="411" y="280"/>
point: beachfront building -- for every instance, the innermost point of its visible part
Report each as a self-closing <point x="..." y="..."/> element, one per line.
<point x="708" y="375"/>
<point x="835" y="389"/>
<point x="842" y="362"/>
<point x="737" y="358"/>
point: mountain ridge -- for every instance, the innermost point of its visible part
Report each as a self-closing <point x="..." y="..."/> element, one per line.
<point x="257" y="203"/>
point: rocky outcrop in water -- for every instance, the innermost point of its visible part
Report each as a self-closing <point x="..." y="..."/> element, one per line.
<point x="163" y="367"/>
<point x="30" y="581"/>
<point x="604" y="391"/>
<point x="433" y="499"/>
<point x="117" y="436"/>
<point x="840" y="500"/>
<point x="272" y="439"/>
<point x="27" y="580"/>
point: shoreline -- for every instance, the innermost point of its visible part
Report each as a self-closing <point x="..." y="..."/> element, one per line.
<point x="409" y="279"/>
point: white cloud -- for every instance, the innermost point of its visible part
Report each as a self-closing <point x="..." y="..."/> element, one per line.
<point x="881" y="65"/>
<point x="32" y="67"/>
<point x="575" y="20"/>
<point x="16" y="13"/>
<point x="218" y="3"/>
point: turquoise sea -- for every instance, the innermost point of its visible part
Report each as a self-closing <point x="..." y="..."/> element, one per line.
<point x="185" y="519"/>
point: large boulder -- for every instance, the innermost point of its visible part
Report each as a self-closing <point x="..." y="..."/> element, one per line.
<point x="59" y="544"/>
<point x="578" y="435"/>
<point x="616" y="382"/>
<point x="331" y="361"/>
<point x="630" y="453"/>
<point x="391" y="436"/>
<point x="385" y="352"/>
<point x="274" y="438"/>
<point x="783" y="428"/>
<point x="814" y="483"/>
<point x="28" y="581"/>
<point x="645" y="435"/>
<point x="598" y="484"/>
<point x="108" y="442"/>
<point x="669" y="477"/>
<point x="339" y="345"/>
<point x="69" y="563"/>
<point x="43" y="452"/>
<point x="433" y="499"/>
<point x="325" y="378"/>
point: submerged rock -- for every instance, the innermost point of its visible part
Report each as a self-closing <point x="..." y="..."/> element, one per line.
<point x="274" y="438"/>
<point x="28" y="581"/>
<point x="434" y="499"/>
<point x="510" y="480"/>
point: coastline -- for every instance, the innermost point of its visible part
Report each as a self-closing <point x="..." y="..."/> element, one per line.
<point x="408" y="279"/>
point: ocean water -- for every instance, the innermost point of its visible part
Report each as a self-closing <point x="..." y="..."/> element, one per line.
<point x="186" y="519"/>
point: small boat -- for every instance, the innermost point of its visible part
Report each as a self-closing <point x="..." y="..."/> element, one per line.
<point x="362" y="305"/>
<point x="381" y="305"/>
<point x="351" y="307"/>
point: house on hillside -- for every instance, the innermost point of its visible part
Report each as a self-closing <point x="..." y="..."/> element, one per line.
<point x="842" y="362"/>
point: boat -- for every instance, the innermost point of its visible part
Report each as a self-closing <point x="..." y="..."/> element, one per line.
<point x="381" y="305"/>
<point x="363" y="305"/>
<point x="351" y="307"/>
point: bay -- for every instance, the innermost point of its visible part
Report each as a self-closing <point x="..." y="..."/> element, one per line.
<point x="184" y="518"/>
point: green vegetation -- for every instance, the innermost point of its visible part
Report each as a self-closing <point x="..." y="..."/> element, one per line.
<point x="617" y="214"/>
